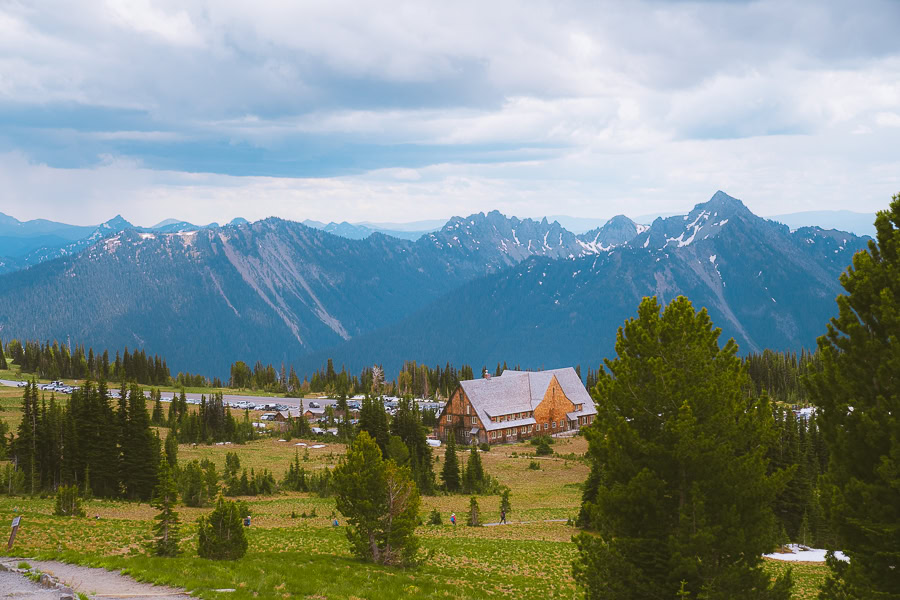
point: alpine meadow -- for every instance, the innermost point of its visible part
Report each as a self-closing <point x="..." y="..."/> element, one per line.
<point x="418" y="300"/>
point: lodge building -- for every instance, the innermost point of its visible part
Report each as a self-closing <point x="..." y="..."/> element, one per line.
<point x="516" y="405"/>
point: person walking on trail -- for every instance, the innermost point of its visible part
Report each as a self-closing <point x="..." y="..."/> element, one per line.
<point x="503" y="517"/>
<point x="453" y="519"/>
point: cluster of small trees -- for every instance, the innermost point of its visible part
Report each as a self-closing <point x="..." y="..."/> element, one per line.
<point x="254" y="483"/>
<point x="472" y="478"/>
<point x="404" y="440"/>
<point x="104" y="451"/>
<point x="212" y="422"/>
<point x="57" y="361"/>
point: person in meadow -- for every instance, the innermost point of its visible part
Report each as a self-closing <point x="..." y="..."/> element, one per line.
<point x="453" y="519"/>
<point x="503" y="517"/>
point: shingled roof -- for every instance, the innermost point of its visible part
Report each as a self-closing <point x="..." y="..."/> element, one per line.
<point x="522" y="391"/>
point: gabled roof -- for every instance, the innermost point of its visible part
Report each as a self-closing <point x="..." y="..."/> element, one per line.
<point x="522" y="391"/>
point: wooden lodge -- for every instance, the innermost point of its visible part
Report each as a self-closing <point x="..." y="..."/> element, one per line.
<point x="516" y="405"/>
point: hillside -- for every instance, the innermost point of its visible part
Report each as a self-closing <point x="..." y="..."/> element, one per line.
<point x="482" y="289"/>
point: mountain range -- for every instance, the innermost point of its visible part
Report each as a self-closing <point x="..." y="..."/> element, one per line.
<point x="481" y="289"/>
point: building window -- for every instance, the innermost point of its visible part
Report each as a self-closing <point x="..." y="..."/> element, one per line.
<point x="467" y="409"/>
<point x="474" y="420"/>
<point x="553" y="423"/>
<point x="546" y="425"/>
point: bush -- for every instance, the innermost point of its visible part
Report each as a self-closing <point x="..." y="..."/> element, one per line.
<point x="543" y="447"/>
<point x="221" y="533"/>
<point x="484" y="447"/>
<point x="542" y="439"/>
<point x="534" y="466"/>
<point x="435" y="517"/>
<point x="68" y="503"/>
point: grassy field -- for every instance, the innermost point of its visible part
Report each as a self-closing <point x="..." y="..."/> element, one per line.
<point x="297" y="557"/>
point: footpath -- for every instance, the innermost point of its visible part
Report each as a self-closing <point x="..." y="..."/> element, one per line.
<point x="61" y="581"/>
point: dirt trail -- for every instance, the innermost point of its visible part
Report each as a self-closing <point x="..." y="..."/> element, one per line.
<point x="103" y="584"/>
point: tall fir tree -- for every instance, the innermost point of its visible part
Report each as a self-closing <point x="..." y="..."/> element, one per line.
<point x="680" y="490"/>
<point x="858" y="399"/>
<point x="373" y="420"/>
<point x="450" y="470"/>
<point x="3" y="363"/>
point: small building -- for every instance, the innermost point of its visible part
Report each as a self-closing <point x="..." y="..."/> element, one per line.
<point x="314" y="414"/>
<point x="282" y="416"/>
<point x="516" y="405"/>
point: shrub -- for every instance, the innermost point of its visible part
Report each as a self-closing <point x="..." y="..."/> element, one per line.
<point x="542" y="439"/>
<point x="543" y="447"/>
<point x="534" y="466"/>
<point x="221" y="533"/>
<point x="484" y="447"/>
<point x="435" y="517"/>
<point x="68" y="503"/>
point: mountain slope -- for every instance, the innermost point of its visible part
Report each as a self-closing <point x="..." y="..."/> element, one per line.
<point x="762" y="284"/>
<point x="482" y="289"/>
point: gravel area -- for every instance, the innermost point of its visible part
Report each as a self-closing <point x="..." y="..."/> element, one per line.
<point x="14" y="585"/>
<point x="100" y="583"/>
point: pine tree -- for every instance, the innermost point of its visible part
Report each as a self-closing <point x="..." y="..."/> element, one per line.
<point x="167" y="523"/>
<point x="473" y="478"/>
<point x="157" y="417"/>
<point x="474" y="517"/>
<point x="505" y="506"/>
<point x="380" y="502"/>
<point x="450" y="471"/>
<point x="858" y="400"/>
<point x="680" y="489"/>
<point x="221" y="534"/>
<point x="3" y="364"/>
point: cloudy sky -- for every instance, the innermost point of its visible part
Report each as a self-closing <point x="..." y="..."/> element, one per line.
<point x="398" y="111"/>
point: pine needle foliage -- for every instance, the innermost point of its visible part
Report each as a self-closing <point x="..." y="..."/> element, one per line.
<point x="858" y="400"/>
<point x="221" y="533"/>
<point x="167" y="527"/>
<point x="678" y="489"/>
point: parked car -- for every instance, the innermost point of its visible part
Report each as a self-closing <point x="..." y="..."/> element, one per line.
<point x="314" y="404"/>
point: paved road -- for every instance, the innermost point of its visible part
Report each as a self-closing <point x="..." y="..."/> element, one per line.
<point x="13" y="585"/>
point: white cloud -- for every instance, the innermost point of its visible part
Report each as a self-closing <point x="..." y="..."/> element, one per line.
<point x="603" y="105"/>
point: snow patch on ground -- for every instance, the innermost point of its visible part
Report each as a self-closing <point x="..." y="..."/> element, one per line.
<point x="712" y="259"/>
<point x="799" y="553"/>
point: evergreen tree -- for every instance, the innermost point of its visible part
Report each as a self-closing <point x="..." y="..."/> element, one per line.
<point x="373" y="420"/>
<point x="858" y="397"/>
<point x="473" y="478"/>
<point x="221" y="533"/>
<point x="380" y="502"/>
<point x="407" y="424"/>
<point x="3" y="364"/>
<point x="167" y="523"/>
<point x="68" y="503"/>
<point x="172" y="448"/>
<point x="505" y="506"/>
<point x="157" y="416"/>
<point x="139" y="452"/>
<point x="680" y="484"/>
<point x="474" y="517"/>
<point x="450" y="470"/>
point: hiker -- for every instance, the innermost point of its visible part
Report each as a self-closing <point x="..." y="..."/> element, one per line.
<point x="247" y="521"/>
<point x="335" y="522"/>
<point x="503" y="516"/>
<point x="453" y="519"/>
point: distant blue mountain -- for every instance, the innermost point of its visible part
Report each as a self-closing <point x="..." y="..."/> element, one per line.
<point x="843" y="220"/>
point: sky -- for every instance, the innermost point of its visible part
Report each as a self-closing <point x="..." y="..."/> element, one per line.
<point x="401" y="111"/>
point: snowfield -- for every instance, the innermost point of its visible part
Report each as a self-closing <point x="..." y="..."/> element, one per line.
<point x="800" y="553"/>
